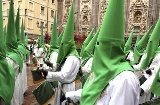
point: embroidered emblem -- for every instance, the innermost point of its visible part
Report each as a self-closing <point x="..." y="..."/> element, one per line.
<point x="91" y="79"/>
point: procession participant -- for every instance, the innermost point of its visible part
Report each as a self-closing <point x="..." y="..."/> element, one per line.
<point x="53" y="50"/>
<point x="87" y="40"/>
<point x="151" y="61"/>
<point x="140" y="47"/>
<point x="86" y="65"/>
<point x="40" y="50"/>
<point x="14" y="57"/>
<point x="112" y="79"/>
<point x="6" y="70"/>
<point x="68" y="61"/>
<point x="127" y="49"/>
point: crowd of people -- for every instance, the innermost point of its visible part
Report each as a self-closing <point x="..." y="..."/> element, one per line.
<point x="106" y="72"/>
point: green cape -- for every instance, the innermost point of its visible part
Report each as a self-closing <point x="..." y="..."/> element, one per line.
<point x="109" y="57"/>
<point x="60" y="38"/>
<point x="152" y="46"/>
<point x="67" y="47"/>
<point x="6" y="70"/>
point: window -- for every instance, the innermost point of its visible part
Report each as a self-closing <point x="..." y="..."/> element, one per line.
<point x="30" y="5"/>
<point x="42" y="10"/>
<point x="19" y="3"/>
<point x="42" y="24"/>
<point x="51" y="26"/>
<point x="3" y="22"/>
<point x="52" y="13"/>
<point x="4" y="6"/>
<point x="52" y="1"/>
<point x="30" y="23"/>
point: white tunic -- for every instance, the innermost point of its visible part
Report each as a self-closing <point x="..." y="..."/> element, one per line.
<point x="16" y="100"/>
<point x="147" y="84"/>
<point x="130" y="56"/>
<point x="39" y="53"/>
<point x="67" y="74"/>
<point x="124" y="89"/>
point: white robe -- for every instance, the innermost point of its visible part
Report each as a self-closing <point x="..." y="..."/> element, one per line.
<point x="124" y="89"/>
<point x="147" y="84"/>
<point x="16" y="95"/>
<point x="39" y="53"/>
<point x="130" y="56"/>
<point x="67" y="74"/>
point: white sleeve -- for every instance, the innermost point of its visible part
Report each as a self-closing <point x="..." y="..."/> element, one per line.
<point x="87" y="67"/>
<point x="68" y="71"/>
<point x="74" y="95"/>
<point x="53" y="59"/>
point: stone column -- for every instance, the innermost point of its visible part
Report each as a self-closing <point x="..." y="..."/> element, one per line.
<point x="77" y="15"/>
<point x="60" y="12"/>
<point x="127" y="5"/>
<point x="94" y="16"/>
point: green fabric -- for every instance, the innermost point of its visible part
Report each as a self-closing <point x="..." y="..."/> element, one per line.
<point x="11" y="39"/>
<point x="67" y="47"/>
<point x="60" y="38"/>
<point x="109" y="57"/>
<point x="7" y="73"/>
<point x="138" y="38"/>
<point x="43" y="93"/>
<point x="5" y="32"/>
<point x="42" y="45"/>
<point x="155" y="87"/>
<point x="17" y="25"/>
<point x="140" y="47"/>
<point x="54" y="39"/>
<point x="88" y="51"/>
<point x="157" y="51"/>
<point x="152" y="46"/>
<point x="21" y="42"/>
<point x="128" y="44"/>
<point x="87" y="40"/>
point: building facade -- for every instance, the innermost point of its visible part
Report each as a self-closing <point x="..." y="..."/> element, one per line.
<point x="35" y="13"/>
<point x="139" y="14"/>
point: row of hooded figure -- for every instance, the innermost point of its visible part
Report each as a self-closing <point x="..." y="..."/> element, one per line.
<point x="107" y="71"/>
<point x="14" y="54"/>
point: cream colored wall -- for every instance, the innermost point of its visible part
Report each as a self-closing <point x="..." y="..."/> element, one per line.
<point x="32" y="15"/>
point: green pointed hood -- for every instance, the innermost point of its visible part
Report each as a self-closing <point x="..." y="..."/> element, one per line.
<point x="67" y="47"/>
<point x="11" y="39"/>
<point x="60" y="37"/>
<point x="128" y="44"/>
<point x="42" y="45"/>
<point x="17" y="25"/>
<point x="22" y="37"/>
<point x="138" y="38"/>
<point x="155" y="87"/>
<point x="157" y="51"/>
<point x="54" y="39"/>
<point x="87" y="40"/>
<point x="88" y="51"/>
<point x="5" y="32"/>
<point x="140" y="47"/>
<point x="152" y="46"/>
<point x="109" y="56"/>
<point x="7" y="84"/>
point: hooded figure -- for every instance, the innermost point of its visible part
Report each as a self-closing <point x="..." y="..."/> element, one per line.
<point x="6" y="70"/>
<point x="68" y="61"/>
<point x="152" y="46"/>
<point x="87" y="40"/>
<point x="86" y="68"/>
<point x="138" y="38"/>
<point x="128" y="44"/>
<point x="109" y="67"/>
<point x="11" y="39"/>
<point x="53" y="50"/>
<point x="140" y="47"/>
